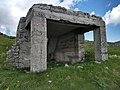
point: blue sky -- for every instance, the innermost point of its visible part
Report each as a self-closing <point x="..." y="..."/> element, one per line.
<point x="100" y="8"/>
<point x="109" y="10"/>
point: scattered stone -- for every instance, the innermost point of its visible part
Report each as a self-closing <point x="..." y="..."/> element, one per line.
<point x="98" y="62"/>
<point x="50" y="81"/>
<point x="114" y="56"/>
<point x="66" y="65"/>
<point x="106" y="68"/>
<point x="26" y="71"/>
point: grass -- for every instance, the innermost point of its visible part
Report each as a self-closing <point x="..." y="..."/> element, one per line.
<point x="81" y="76"/>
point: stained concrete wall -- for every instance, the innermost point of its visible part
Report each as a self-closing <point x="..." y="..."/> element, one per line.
<point x="52" y="44"/>
<point x="67" y="49"/>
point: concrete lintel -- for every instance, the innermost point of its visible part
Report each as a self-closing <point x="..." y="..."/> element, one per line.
<point x="60" y="13"/>
<point x="71" y="18"/>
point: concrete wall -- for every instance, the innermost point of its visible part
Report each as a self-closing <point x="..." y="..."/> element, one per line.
<point x="67" y="48"/>
<point x="52" y="44"/>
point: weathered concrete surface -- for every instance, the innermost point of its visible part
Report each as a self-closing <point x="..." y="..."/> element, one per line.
<point x="53" y="32"/>
<point x="38" y="44"/>
<point x="80" y="49"/>
<point x="65" y="50"/>
<point x="100" y="44"/>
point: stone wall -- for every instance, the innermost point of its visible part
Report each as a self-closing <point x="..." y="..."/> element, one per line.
<point x="18" y="54"/>
<point x="13" y="55"/>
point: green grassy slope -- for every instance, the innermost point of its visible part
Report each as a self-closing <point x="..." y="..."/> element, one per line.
<point x="81" y="76"/>
<point x="5" y="43"/>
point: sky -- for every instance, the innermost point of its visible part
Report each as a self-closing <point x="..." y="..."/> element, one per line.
<point x="109" y="10"/>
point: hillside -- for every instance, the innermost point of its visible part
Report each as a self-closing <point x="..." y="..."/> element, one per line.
<point x="90" y="75"/>
<point x="109" y="43"/>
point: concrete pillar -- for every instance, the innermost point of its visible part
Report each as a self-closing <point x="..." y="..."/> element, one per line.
<point x="100" y="44"/>
<point x="38" y="58"/>
<point x="81" y="49"/>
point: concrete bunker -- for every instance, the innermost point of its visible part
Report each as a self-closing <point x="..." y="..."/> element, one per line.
<point x="53" y="32"/>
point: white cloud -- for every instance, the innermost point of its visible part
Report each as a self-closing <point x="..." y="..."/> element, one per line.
<point x="112" y="16"/>
<point x="92" y="13"/>
<point x="12" y="10"/>
<point x="2" y="29"/>
<point x="76" y="9"/>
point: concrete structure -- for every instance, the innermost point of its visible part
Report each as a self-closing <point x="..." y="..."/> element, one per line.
<point x="53" y="32"/>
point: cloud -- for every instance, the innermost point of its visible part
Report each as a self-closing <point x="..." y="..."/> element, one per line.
<point x="68" y="3"/>
<point x="11" y="11"/>
<point x="112" y="16"/>
<point x="76" y="9"/>
<point x="2" y="29"/>
<point x="92" y="13"/>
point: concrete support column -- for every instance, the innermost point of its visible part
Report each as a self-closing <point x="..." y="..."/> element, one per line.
<point x="100" y="44"/>
<point x="38" y="58"/>
<point x="81" y="49"/>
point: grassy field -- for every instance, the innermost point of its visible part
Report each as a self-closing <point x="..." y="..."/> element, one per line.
<point x="83" y="76"/>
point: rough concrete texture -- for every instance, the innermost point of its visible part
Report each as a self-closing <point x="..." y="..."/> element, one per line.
<point x="53" y="32"/>
<point x="18" y="55"/>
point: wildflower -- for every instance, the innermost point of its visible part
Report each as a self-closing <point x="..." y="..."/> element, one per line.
<point x="26" y="71"/>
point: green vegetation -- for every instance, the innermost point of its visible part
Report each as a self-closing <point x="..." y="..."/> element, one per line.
<point x="82" y="76"/>
<point x="5" y="43"/>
